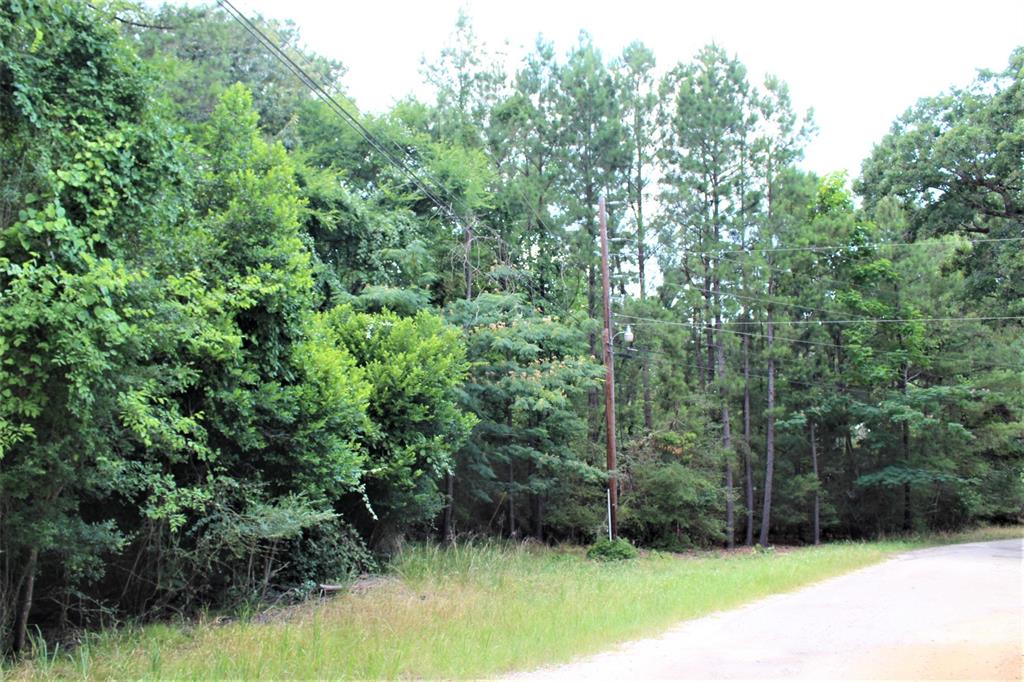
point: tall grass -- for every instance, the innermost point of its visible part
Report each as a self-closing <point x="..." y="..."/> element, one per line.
<point x="468" y="611"/>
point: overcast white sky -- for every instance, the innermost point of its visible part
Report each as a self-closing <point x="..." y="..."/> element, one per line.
<point x="859" y="65"/>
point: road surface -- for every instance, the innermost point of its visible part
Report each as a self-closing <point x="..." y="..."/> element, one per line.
<point x="953" y="612"/>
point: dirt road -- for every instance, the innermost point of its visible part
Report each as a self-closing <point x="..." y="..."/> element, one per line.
<point x="953" y="612"/>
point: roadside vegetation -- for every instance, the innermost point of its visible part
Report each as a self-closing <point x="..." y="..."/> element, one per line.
<point x="469" y="611"/>
<point x="253" y="340"/>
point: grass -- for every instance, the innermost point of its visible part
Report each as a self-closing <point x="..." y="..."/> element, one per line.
<point x="469" y="611"/>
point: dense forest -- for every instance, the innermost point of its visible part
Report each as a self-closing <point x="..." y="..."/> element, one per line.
<point x="252" y="339"/>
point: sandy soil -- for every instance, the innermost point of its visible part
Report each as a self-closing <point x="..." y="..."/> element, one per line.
<point x="946" y="613"/>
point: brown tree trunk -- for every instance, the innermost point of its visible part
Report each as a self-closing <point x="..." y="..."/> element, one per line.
<point x="648" y="408"/>
<point x="730" y="512"/>
<point x="21" y="626"/>
<point x="447" y="524"/>
<point x="709" y="336"/>
<point x="747" y="460"/>
<point x="696" y="334"/>
<point x="538" y="517"/>
<point x="467" y="264"/>
<point x="593" y="395"/>
<point x="817" y="490"/>
<point x="641" y="262"/>
<point x="908" y="521"/>
<point x="511" y="502"/>
<point x="769" y="464"/>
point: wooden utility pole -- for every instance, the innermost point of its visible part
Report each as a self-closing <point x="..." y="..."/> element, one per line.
<point x="609" y="383"/>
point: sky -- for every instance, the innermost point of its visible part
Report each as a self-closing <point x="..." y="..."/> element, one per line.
<point x="858" y="65"/>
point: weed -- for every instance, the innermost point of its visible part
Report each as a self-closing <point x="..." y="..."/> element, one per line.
<point x="468" y="612"/>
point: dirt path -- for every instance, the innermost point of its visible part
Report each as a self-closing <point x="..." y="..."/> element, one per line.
<point x="953" y="612"/>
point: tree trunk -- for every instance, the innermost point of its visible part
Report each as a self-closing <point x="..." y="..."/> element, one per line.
<point x="817" y="491"/>
<point x="730" y="512"/>
<point x="908" y="521"/>
<point x="709" y="336"/>
<point x="748" y="464"/>
<point x="593" y="395"/>
<point x="21" y="628"/>
<point x="538" y="517"/>
<point x="769" y="464"/>
<point x="448" y="525"/>
<point x="467" y="264"/>
<point x="648" y="407"/>
<point x="511" y="503"/>
<point x="769" y="457"/>
<point x="641" y="262"/>
<point x="696" y="334"/>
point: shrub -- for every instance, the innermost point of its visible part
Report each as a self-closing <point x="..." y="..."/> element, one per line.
<point x="673" y="506"/>
<point x="618" y="549"/>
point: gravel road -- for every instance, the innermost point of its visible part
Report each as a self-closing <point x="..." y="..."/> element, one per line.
<point x="952" y="612"/>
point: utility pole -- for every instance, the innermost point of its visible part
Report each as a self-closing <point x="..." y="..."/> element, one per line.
<point x="609" y="383"/>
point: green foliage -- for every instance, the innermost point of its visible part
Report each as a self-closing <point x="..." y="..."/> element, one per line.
<point x="472" y="611"/>
<point x="618" y="549"/>
<point x="239" y="346"/>
<point x="954" y="163"/>
<point x="331" y="553"/>
<point x="167" y="374"/>
<point x="413" y="366"/>
<point x="240" y="548"/>
<point x="672" y="506"/>
<point x="526" y="372"/>
<point x="200" y="52"/>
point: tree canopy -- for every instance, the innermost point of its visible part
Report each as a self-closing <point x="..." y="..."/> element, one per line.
<point x="252" y="339"/>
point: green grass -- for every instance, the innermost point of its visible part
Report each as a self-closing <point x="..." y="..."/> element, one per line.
<point x="470" y="611"/>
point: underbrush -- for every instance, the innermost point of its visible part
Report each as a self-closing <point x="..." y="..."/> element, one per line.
<point x="470" y="611"/>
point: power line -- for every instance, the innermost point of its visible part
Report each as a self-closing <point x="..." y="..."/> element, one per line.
<point x="770" y="301"/>
<point x="825" y="248"/>
<point x="904" y="320"/>
<point x="839" y="285"/>
<point x="789" y="339"/>
<point x="666" y="360"/>
<point x="669" y="361"/>
<point x="887" y="320"/>
<point x="447" y="209"/>
<point x="333" y="104"/>
<point x="697" y="325"/>
<point x="432" y="194"/>
<point x="400" y="163"/>
<point x="861" y="319"/>
<point x="841" y="247"/>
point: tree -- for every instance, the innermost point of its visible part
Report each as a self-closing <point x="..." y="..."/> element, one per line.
<point x="779" y="146"/>
<point x="467" y="80"/>
<point x="954" y="162"/>
<point x="200" y="52"/>
<point x="639" y="93"/>
<point x="80" y="174"/>
<point x="708" y="127"/>
<point x="414" y="366"/>
<point x="528" y="373"/>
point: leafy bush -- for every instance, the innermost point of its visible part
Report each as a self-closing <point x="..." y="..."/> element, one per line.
<point x="618" y="549"/>
<point x="327" y="553"/>
<point x="672" y="506"/>
<point x="413" y="366"/>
